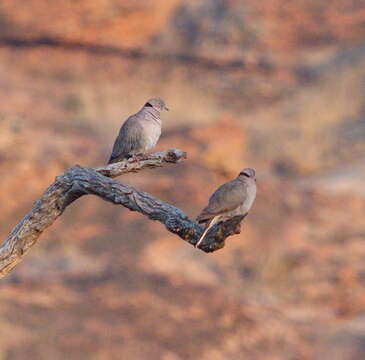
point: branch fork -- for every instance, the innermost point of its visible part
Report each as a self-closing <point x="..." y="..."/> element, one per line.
<point x="78" y="181"/>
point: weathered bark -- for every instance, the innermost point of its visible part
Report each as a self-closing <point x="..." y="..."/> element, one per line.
<point x="78" y="181"/>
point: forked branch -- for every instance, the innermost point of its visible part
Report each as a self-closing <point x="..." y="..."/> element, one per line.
<point x="78" y="181"/>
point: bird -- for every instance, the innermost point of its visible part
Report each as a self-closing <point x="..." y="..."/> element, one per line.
<point x="140" y="132"/>
<point x="231" y="199"/>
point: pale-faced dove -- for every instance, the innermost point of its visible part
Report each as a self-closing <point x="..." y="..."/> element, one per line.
<point x="140" y="132"/>
<point x="230" y="199"/>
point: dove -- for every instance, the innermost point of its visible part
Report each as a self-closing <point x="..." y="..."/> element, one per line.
<point x="230" y="199"/>
<point x="140" y="132"/>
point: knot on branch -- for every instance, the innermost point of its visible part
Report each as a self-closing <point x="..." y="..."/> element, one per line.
<point x="175" y="155"/>
<point x="216" y="236"/>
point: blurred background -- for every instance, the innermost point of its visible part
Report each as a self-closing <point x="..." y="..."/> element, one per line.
<point x="271" y="84"/>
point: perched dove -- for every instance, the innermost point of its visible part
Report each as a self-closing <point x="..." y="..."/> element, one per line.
<point x="140" y="132"/>
<point x="230" y="199"/>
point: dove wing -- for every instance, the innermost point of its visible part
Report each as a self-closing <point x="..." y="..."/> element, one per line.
<point x="128" y="139"/>
<point x="226" y="198"/>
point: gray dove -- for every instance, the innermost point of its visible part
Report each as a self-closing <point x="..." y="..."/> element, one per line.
<point x="230" y="199"/>
<point x="140" y="132"/>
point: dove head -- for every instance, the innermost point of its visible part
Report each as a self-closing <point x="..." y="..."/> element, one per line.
<point x="247" y="173"/>
<point x="156" y="103"/>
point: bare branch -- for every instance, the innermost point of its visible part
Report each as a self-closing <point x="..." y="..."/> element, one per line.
<point x="146" y="161"/>
<point x="78" y="181"/>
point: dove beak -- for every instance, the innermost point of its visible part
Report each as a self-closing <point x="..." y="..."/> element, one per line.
<point x="166" y="108"/>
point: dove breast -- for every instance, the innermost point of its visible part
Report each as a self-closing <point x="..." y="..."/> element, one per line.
<point x="151" y="131"/>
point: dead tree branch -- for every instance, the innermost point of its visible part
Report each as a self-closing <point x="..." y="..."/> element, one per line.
<point x="78" y="181"/>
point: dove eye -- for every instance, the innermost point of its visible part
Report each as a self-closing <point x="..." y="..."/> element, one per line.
<point x="244" y="174"/>
<point x="148" y="104"/>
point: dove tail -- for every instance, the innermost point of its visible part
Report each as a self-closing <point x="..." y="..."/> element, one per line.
<point x="214" y="220"/>
<point x="113" y="159"/>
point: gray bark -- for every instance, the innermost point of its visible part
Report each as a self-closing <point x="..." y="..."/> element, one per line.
<point x="78" y="181"/>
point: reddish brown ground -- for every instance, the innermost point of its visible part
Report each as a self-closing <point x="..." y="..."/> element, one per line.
<point x="104" y="283"/>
